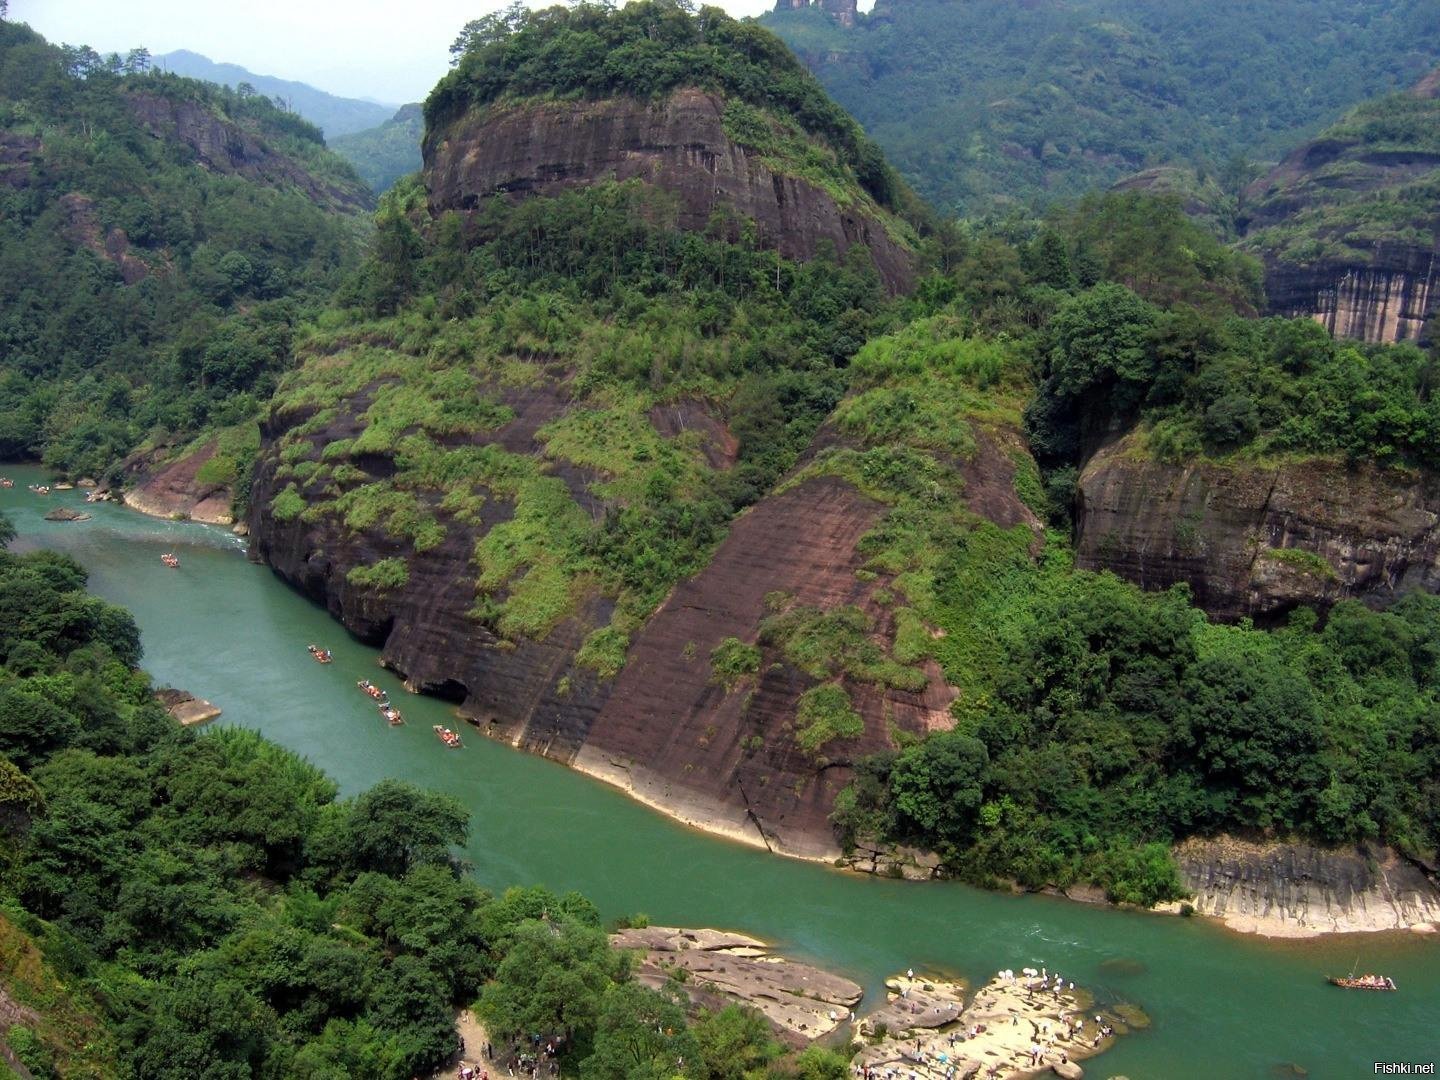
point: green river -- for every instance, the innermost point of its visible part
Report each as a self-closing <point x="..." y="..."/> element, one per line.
<point x="1222" y="1005"/>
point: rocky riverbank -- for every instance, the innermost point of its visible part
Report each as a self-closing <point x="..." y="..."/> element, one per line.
<point x="716" y="968"/>
<point x="173" y="488"/>
<point x="185" y="708"/>
<point x="1013" y="1026"/>
<point x="1299" y="890"/>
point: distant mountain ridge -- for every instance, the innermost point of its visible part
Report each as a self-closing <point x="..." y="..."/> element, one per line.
<point x="332" y="114"/>
<point x="1348" y="224"/>
<point x="988" y="105"/>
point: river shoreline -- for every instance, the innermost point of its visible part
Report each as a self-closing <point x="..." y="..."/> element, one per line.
<point x="1371" y="914"/>
<point x="231" y="628"/>
<point x="695" y="813"/>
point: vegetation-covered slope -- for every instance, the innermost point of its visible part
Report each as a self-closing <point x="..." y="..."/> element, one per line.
<point x="983" y="104"/>
<point x="1349" y="223"/>
<point x="382" y="155"/>
<point x="488" y="480"/>
<point x="158" y="240"/>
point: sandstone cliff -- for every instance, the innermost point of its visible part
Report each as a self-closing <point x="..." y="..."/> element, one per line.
<point x="1253" y="540"/>
<point x="168" y="486"/>
<point x="1349" y="224"/>
<point x="724" y="758"/>
<point x="678" y="144"/>
<point x="1298" y="890"/>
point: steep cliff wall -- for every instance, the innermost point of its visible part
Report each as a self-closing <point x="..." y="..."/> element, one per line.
<point x="1389" y="297"/>
<point x="678" y="144"/>
<point x="1252" y="540"/>
<point x="1349" y="224"/>
<point x="1298" y="890"/>
<point x="725" y="757"/>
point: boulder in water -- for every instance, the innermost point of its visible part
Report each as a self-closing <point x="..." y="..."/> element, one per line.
<point x="65" y="513"/>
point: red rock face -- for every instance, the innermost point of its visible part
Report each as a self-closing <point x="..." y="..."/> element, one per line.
<point x="171" y="489"/>
<point x="678" y="144"/>
<point x="726" y="759"/>
<point x="225" y="148"/>
<point x="1225" y="530"/>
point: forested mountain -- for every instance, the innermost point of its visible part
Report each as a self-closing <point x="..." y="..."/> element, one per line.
<point x="1349" y="223"/>
<point x="641" y="473"/>
<point x="332" y="114"/>
<point x="382" y="155"/>
<point x="984" y="105"/>
<point x="159" y="239"/>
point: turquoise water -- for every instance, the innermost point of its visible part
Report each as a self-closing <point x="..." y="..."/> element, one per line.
<point x="1222" y="1005"/>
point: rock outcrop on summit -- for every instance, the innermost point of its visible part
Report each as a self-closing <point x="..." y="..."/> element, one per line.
<point x="678" y="144"/>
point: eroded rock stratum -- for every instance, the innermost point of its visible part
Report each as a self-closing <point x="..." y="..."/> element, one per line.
<point x="1260" y="540"/>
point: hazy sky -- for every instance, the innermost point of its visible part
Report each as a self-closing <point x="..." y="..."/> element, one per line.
<point x="391" y="50"/>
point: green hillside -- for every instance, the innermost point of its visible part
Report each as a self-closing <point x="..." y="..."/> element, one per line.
<point x="986" y="104"/>
<point x="159" y="238"/>
<point x="382" y="155"/>
<point x="1371" y="179"/>
<point x="1115" y="312"/>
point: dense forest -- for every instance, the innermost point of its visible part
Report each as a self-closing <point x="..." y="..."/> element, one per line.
<point x="182" y="905"/>
<point x="146" y="294"/>
<point x="985" y="105"/>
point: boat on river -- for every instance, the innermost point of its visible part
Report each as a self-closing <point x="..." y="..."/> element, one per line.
<point x="321" y="656"/>
<point x="1362" y="982"/>
<point x="374" y="691"/>
<point x="6" y="482"/>
<point x="171" y="560"/>
<point x="392" y="715"/>
<point x="448" y="737"/>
